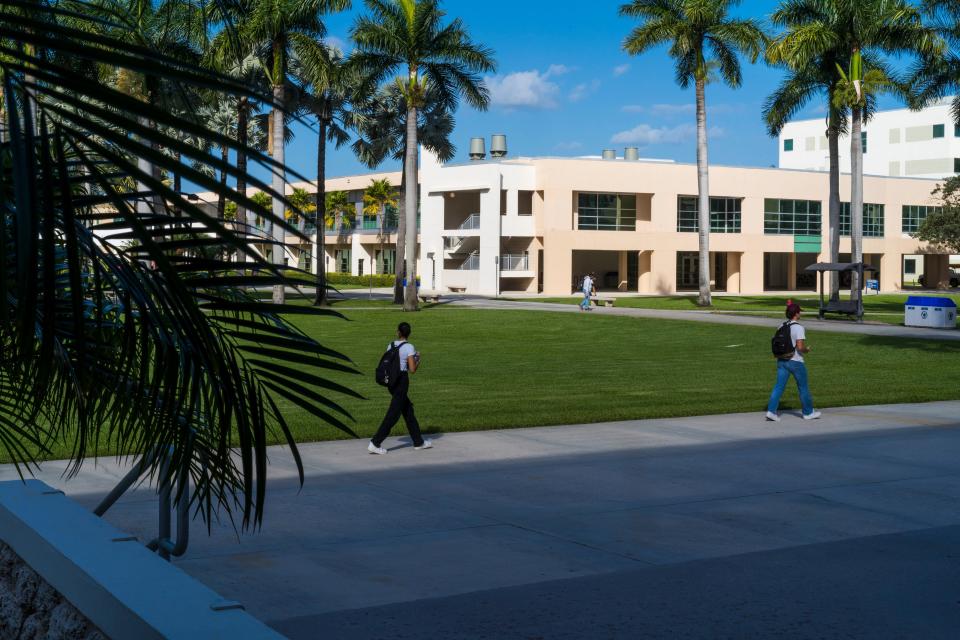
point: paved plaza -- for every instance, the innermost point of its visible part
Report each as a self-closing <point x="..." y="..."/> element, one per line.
<point x="714" y="526"/>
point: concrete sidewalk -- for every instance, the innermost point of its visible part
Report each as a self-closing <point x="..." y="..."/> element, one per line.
<point x="712" y="526"/>
<point x="810" y="320"/>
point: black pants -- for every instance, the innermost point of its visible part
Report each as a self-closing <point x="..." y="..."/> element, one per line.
<point x="400" y="405"/>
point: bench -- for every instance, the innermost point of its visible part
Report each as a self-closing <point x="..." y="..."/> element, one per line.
<point x="433" y="297"/>
<point x="607" y="302"/>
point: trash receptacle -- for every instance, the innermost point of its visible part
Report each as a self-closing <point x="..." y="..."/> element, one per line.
<point x="930" y="311"/>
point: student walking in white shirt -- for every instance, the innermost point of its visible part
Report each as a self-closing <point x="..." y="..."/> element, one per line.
<point x="400" y="404"/>
<point x="793" y="365"/>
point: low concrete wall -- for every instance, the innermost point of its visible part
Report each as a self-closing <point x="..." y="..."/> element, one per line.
<point x="120" y="587"/>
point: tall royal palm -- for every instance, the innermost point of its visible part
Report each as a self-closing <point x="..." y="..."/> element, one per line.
<point x="803" y="83"/>
<point x="329" y="93"/>
<point x="283" y="27"/>
<point x="938" y="76"/>
<point x="855" y="31"/>
<point x="383" y="134"/>
<point x="411" y="37"/>
<point x="702" y="35"/>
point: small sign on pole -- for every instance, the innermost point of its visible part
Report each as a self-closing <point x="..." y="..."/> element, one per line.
<point x="873" y="285"/>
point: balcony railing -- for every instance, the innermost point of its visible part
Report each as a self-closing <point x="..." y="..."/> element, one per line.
<point x="471" y="223"/>
<point x="471" y="264"/>
<point x="514" y="262"/>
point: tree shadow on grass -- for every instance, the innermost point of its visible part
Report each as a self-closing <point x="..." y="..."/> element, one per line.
<point x="912" y="344"/>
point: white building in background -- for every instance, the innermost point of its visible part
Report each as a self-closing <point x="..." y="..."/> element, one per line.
<point x="900" y="142"/>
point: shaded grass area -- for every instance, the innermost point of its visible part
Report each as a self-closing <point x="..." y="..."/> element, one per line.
<point x="885" y="308"/>
<point x="492" y="369"/>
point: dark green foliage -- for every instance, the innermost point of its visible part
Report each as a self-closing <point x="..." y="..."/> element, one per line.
<point x="124" y="321"/>
<point x="941" y="228"/>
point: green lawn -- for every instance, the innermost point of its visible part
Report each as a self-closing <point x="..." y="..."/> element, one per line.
<point x="486" y="369"/>
<point x="490" y="369"/>
<point x="886" y="308"/>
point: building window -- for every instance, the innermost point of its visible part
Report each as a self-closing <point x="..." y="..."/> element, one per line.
<point x="341" y="259"/>
<point x="863" y="141"/>
<point x="913" y="215"/>
<point x="606" y="212"/>
<point x="385" y="260"/>
<point x="938" y="130"/>
<point x="391" y="218"/>
<point x="788" y="144"/>
<point x="791" y="217"/>
<point x="724" y="214"/>
<point x="956" y="131"/>
<point x="910" y="266"/>
<point x="956" y="165"/>
<point x="370" y="222"/>
<point x="872" y="220"/>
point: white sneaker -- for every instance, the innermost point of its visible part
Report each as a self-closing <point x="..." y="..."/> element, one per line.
<point x="772" y="417"/>
<point x="427" y="444"/>
<point x="380" y="451"/>
<point x="812" y="416"/>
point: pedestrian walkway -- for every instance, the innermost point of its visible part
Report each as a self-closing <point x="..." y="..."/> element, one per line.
<point x="709" y="526"/>
<point x="809" y="321"/>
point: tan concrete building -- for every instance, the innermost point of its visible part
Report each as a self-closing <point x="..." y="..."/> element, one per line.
<point x="540" y="224"/>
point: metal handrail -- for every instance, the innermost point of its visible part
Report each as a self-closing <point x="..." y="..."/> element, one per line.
<point x="515" y="262"/>
<point x="162" y="544"/>
<point x="471" y="264"/>
<point x="471" y="223"/>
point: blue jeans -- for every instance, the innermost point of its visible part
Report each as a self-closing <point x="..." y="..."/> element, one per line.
<point x="785" y="369"/>
<point x="586" y="300"/>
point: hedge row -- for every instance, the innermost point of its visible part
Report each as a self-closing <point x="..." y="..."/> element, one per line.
<point x="386" y="280"/>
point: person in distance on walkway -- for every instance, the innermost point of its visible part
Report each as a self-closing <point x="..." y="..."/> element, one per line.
<point x="789" y="346"/>
<point x="400" y="404"/>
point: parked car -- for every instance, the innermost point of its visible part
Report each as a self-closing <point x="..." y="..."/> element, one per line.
<point x="954" y="279"/>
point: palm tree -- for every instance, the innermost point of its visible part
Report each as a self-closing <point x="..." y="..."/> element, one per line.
<point x="701" y="34"/>
<point x="96" y="348"/>
<point x="331" y="87"/>
<point x="377" y="198"/>
<point x="410" y="37"/>
<point x="339" y="210"/>
<point x="383" y="135"/>
<point x="937" y="76"/>
<point x="860" y="34"/>
<point x="284" y="28"/>
<point x="803" y="83"/>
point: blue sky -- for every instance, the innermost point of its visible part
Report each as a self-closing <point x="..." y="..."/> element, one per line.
<point x="565" y="87"/>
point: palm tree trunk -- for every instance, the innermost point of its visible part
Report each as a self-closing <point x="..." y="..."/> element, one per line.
<point x="856" y="191"/>
<point x="410" y="250"/>
<point x="278" y="184"/>
<point x="243" y="107"/>
<point x="833" y="141"/>
<point x="399" y="264"/>
<point x="703" y="184"/>
<point x="222" y="198"/>
<point x="321" y="217"/>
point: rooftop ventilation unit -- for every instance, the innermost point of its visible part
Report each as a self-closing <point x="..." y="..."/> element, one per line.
<point x="609" y="154"/>
<point x="498" y="145"/>
<point x="631" y="154"/>
<point x="478" y="149"/>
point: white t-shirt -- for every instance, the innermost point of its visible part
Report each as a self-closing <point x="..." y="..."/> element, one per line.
<point x="797" y="332"/>
<point x="587" y="284"/>
<point x="406" y="351"/>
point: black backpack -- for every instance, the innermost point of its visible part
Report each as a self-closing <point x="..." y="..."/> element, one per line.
<point x="782" y="343"/>
<point x="388" y="371"/>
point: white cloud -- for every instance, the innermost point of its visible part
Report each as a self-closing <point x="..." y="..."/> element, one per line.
<point x="682" y="109"/>
<point x="619" y="70"/>
<point x="584" y="89"/>
<point x="337" y="43"/>
<point x="526" y="89"/>
<point x="645" y="135"/>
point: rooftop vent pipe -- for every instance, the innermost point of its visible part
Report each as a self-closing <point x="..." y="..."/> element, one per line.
<point x="478" y="149"/>
<point x="609" y="154"/>
<point x="498" y="145"/>
<point x="631" y="154"/>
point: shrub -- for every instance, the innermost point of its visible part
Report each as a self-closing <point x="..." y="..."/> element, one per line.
<point x="385" y="280"/>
